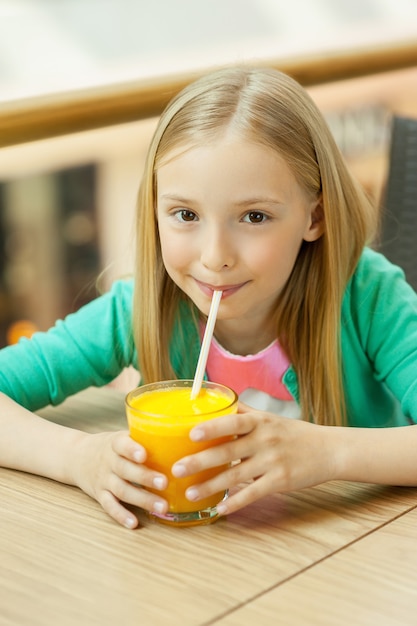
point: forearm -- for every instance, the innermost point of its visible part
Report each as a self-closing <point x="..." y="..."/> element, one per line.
<point x="107" y="466"/>
<point x="375" y="455"/>
<point x="32" y="444"/>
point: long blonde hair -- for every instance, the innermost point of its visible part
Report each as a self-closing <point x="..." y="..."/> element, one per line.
<point x="270" y="108"/>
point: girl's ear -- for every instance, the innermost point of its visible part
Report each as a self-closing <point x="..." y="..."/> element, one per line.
<point x="315" y="227"/>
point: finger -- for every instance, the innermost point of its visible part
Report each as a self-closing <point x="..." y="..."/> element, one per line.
<point x="226" y="453"/>
<point x="222" y="482"/>
<point x="136" y="495"/>
<point x="212" y="457"/>
<point x="244" y="408"/>
<point x="228" y="425"/>
<point x="117" y="511"/>
<point x="138" y="473"/>
<point x="247" y="495"/>
<point x="233" y="476"/>
<point x="125" y="446"/>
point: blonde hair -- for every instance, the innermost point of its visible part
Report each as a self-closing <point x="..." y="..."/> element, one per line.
<point x="267" y="107"/>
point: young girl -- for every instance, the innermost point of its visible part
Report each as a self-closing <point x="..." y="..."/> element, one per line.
<point x="244" y="191"/>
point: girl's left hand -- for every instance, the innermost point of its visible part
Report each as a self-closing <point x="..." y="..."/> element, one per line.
<point x="269" y="453"/>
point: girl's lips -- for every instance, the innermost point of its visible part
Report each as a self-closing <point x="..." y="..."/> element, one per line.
<point x="228" y="290"/>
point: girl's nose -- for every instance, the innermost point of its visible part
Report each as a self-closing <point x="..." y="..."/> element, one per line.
<point x="217" y="251"/>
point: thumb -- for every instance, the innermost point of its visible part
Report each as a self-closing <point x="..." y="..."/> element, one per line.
<point x="244" y="408"/>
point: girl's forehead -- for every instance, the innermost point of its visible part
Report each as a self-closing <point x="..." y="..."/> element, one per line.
<point x="236" y="170"/>
<point x="173" y="153"/>
<point x="212" y="141"/>
<point x="235" y="154"/>
<point x="171" y="146"/>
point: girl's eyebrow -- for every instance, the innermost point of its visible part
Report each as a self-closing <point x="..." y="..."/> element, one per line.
<point x="174" y="196"/>
<point x="258" y="200"/>
<point x="243" y="202"/>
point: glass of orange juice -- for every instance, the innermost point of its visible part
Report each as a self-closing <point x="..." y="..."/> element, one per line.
<point x="160" y="416"/>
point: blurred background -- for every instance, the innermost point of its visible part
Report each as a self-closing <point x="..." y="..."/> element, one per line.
<point x="67" y="200"/>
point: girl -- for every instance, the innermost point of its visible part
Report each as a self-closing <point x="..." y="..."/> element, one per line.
<point x="245" y="191"/>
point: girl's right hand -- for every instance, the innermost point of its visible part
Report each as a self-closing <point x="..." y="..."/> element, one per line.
<point x="110" y="468"/>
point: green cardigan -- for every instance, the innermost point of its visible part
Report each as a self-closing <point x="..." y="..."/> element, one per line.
<point x="93" y="345"/>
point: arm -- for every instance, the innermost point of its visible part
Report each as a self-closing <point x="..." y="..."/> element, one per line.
<point x="274" y="454"/>
<point x="379" y="346"/>
<point x="90" y="347"/>
<point x="376" y="455"/>
<point x="107" y="466"/>
<point x="32" y="444"/>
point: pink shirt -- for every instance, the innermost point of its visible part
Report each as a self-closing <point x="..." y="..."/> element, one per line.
<point x="262" y="371"/>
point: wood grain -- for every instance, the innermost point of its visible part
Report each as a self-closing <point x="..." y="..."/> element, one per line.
<point x="373" y="581"/>
<point x="62" y="560"/>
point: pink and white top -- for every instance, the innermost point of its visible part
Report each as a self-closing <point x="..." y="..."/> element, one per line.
<point x="256" y="378"/>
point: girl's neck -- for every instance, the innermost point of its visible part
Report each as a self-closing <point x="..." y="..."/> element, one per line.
<point x="243" y="341"/>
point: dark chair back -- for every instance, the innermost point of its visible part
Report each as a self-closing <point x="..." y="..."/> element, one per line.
<point x="399" y="206"/>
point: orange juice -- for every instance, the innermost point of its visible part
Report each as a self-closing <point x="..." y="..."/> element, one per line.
<point x="160" y="417"/>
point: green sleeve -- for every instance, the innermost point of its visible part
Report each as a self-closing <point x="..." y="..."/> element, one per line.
<point x="380" y="344"/>
<point x="88" y="348"/>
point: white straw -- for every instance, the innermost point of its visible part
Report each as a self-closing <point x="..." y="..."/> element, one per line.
<point x="205" y="346"/>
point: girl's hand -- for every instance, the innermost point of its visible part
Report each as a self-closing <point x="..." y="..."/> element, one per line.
<point x="109" y="468"/>
<point x="270" y="453"/>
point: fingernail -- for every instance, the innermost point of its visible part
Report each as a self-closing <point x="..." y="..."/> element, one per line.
<point x="221" y="509"/>
<point x="178" y="470"/>
<point x="197" y="434"/>
<point x="192" y="494"/>
<point x="138" y="456"/>
<point x="159" y="482"/>
<point x="158" y="507"/>
<point x="130" y="522"/>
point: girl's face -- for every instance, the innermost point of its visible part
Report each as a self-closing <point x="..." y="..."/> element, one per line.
<point x="232" y="216"/>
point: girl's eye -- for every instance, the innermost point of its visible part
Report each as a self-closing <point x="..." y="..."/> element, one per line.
<point x="255" y="217"/>
<point x="184" y="215"/>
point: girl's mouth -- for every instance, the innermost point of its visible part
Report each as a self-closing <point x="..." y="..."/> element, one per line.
<point x="228" y="290"/>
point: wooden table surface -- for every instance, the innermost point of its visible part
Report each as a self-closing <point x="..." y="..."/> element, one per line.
<point x="340" y="553"/>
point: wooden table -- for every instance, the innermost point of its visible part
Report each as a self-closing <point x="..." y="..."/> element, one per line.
<point x="341" y="553"/>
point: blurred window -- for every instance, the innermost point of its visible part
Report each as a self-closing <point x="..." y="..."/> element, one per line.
<point x="55" y="45"/>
